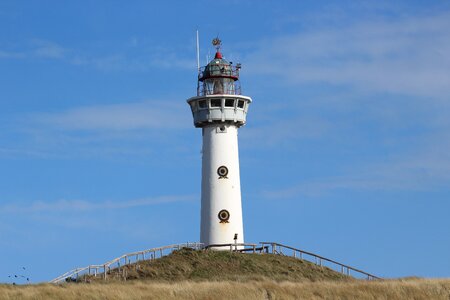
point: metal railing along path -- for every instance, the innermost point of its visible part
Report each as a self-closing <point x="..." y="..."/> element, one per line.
<point x="277" y="248"/>
<point x="263" y="247"/>
<point x="125" y="259"/>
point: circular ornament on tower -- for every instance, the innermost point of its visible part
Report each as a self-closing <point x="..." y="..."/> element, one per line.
<point x="222" y="171"/>
<point x="224" y="216"/>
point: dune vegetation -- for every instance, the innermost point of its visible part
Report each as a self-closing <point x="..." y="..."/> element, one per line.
<point x="143" y="289"/>
<point x="189" y="274"/>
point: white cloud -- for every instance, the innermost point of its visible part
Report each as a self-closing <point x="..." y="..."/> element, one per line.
<point x="130" y="116"/>
<point x="48" y="49"/>
<point x="285" y="131"/>
<point x="9" y="54"/>
<point x="125" y="57"/>
<point x="410" y="55"/>
<point x="425" y="169"/>
<point x="83" y="205"/>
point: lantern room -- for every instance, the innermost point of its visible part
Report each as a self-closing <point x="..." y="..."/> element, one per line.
<point x="219" y="98"/>
<point x="219" y="76"/>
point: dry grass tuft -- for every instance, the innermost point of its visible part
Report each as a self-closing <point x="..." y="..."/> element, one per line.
<point x="350" y="290"/>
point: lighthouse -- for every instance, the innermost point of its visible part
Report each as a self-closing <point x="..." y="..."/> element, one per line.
<point x="220" y="110"/>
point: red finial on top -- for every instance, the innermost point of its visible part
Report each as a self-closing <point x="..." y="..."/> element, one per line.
<point x="217" y="43"/>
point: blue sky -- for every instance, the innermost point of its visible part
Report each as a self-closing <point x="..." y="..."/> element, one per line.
<point x="346" y="152"/>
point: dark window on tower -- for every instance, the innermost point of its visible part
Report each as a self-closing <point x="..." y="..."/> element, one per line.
<point x="216" y="102"/>
<point x="241" y="103"/>
<point x="229" y="102"/>
<point x="202" y="104"/>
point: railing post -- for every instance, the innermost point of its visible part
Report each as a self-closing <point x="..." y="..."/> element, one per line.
<point x="104" y="272"/>
<point x="294" y="253"/>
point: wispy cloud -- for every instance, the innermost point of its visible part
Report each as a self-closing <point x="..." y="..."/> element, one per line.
<point x="129" y="116"/>
<point x="285" y="131"/>
<point x="36" y="48"/>
<point x="48" y="49"/>
<point x="124" y="57"/>
<point x="110" y="130"/>
<point x="427" y="168"/>
<point x="409" y="55"/>
<point x="83" y="205"/>
<point x="10" y="54"/>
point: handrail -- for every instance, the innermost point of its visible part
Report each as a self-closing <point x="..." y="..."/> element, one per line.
<point x="273" y="244"/>
<point x="234" y="247"/>
<point x="127" y="258"/>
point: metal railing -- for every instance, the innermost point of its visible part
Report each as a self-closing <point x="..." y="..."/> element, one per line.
<point x="277" y="248"/>
<point x="203" y="89"/>
<point x="126" y="259"/>
<point x="153" y="253"/>
<point x="234" y="247"/>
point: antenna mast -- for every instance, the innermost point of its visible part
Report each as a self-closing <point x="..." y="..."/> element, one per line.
<point x="198" y="54"/>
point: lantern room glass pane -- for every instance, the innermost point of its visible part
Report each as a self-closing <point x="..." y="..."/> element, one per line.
<point x="202" y="104"/>
<point x="213" y="86"/>
<point x="216" y="102"/>
<point x="229" y="102"/>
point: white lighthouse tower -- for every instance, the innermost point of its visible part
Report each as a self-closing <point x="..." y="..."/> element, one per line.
<point x="219" y="110"/>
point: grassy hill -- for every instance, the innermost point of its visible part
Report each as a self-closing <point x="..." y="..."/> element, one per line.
<point x="189" y="274"/>
<point x="188" y="264"/>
